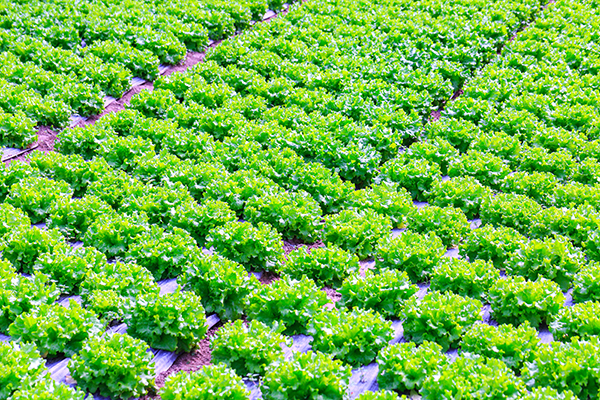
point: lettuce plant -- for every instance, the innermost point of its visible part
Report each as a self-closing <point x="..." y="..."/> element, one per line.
<point x="249" y="349"/>
<point x="172" y="321"/>
<point x="198" y="220"/>
<point x="221" y="284"/>
<point x="354" y="337"/>
<point x="73" y="217"/>
<point x="512" y="210"/>
<point x="47" y="389"/>
<point x="19" y="364"/>
<point x="12" y="219"/>
<point x="306" y="375"/>
<point x="327" y="266"/>
<point x="415" y="253"/>
<point x="553" y="258"/>
<point x="488" y="243"/>
<point x="113" y="365"/>
<point x="404" y="366"/>
<point x="211" y="382"/>
<point x="487" y="168"/>
<point x="255" y="247"/>
<point x="23" y="247"/>
<point x="286" y="301"/>
<point x="439" y="317"/>
<point x="356" y="231"/>
<point x="465" y="193"/>
<point x="415" y="175"/>
<point x="384" y="291"/>
<point x="386" y="199"/>
<point x="469" y="279"/>
<point x="580" y="320"/>
<point x="35" y="196"/>
<point x="449" y="224"/>
<point x="586" y="283"/>
<point x="515" y="300"/>
<point x="56" y="329"/>
<point x="515" y="346"/>
<point x="113" y="234"/>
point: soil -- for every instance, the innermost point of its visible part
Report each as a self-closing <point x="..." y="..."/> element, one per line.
<point x="188" y="362"/>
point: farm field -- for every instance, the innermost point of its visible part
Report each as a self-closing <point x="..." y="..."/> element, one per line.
<point x="353" y="199"/>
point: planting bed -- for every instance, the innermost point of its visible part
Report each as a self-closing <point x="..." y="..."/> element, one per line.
<point x="356" y="199"/>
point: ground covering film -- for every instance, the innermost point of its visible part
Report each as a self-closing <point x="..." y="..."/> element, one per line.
<point x="473" y="235"/>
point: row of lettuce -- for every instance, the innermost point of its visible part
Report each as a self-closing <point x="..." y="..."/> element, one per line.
<point x="280" y="135"/>
<point x="62" y="58"/>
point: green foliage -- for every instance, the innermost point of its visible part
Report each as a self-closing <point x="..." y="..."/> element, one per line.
<point x="380" y="395"/>
<point x="513" y="346"/>
<point x="438" y="151"/>
<point x="198" y="220"/>
<point x="306" y="375"/>
<point x="84" y="141"/>
<point x="586" y="283"/>
<point x="211" y="382"/>
<point x="255" y="247"/>
<point x="156" y="202"/>
<point x="553" y="258"/>
<point x="294" y="215"/>
<point x="474" y="377"/>
<point x="354" y="337"/>
<point x="449" y="224"/>
<point x="495" y="244"/>
<point x="248" y="349"/>
<point x="412" y="252"/>
<point x="128" y="280"/>
<point x="153" y="104"/>
<point x="12" y="219"/>
<point x="548" y="393"/>
<point x="13" y="173"/>
<point x="288" y="302"/>
<point x="566" y="366"/>
<point x="47" y="389"/>
<point x="487" y="168"/>
<point x="415" y="175"/>
<point x="23" y="247"/>
<point x="73" y="217"/>
<point x="383" y="291"/>
<point x="19" y="364"/>
<point x="113" y="365"/>
<point x="580" y="320"/>
<point x="327" y="266"/>
<point x="172" y="321"/>
<point x="404" y="366"/>
<point x="113" y="187"/>
<point x="512" y="210"/>
<point x="108" y="305"/>
<point x="221" y="284"/>
<point x="465" y="193"/>
<point x="538" y="186"/>
<point x="112" y="234"/>
<point x="384" y="198"/>
<point x="35" y="195"/>
<point x="56" y="329"/>
<point x="439" y="317"/>
<point x="469" y="279"/>
<point x="356" y="231"/>
<point x="164" y="254"/>
<point x="515" y="300"/>
<point x="66" y="266"/>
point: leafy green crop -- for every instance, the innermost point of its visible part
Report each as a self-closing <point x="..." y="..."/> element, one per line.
<point x="386" y="199"/>
<point x="553" y="258"/>
<point x="515" y="300"/>
<point x="412" y="252"/>
<point x="221" y="284"/>
<point x="112" y="234"/>
<point x="294" y="215"/>
<point x="47" y="389"/>
<point x="415" y="175"/>
<point x="512" y="210"/>
<point x="495" y="244"/>
<point x="286" y="301"/>
<point x="198" y="220"/>
<point x="487" y="168"/>
<point x="474" y="377"/>
<point x="165" y="255"/>
<point x="586" y="283"/>
<point x="259" y="246"/>
<point x="356" y="231"/>
<point x="248" y="349"/>
<point x="19" y="364"/>
<point x="306" y="375"/>
<point x="548" y="393"/>
<point x="73" y="217"/>
<point x="327" y="266"/>
<point x="469" y="279"/>
<point x="66" y="266"/>
<point x="211" y="382"/>
<point x="12" y="219"/>
<point x="354" y="337"/>
<point x="404" y="366"/>
<point x="580" y="320"/>
<point x="439" y="317"/>
<point x="449" y="224"/>
<point x="465" y="193"/>
<point x="384" y="291"/>
<point x="172" y="321"/>
<point x="23" y="247"/>
<point x="513" y="346"/>
<point x="35" y="195"/>
<point x="56" y="329"/>
<point x="113" y="365"/>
